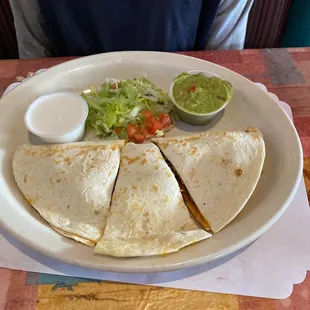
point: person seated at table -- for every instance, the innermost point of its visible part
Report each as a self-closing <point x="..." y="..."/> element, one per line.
<point x="78" y="27"/>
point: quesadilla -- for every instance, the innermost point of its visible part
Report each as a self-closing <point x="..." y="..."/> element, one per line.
<point x="70" y="185"/>
<point x="75" y="237"/>
<point x="147" y="214"/>
<point x="219" y="169"/>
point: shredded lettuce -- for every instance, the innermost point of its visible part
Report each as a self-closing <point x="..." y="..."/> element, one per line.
<point x="115" y="104"/>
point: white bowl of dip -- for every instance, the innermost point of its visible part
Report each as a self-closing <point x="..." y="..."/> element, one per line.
<point x="58" y="117"/>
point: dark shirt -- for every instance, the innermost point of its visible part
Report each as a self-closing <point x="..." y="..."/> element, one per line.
<point x="81" y="27"/>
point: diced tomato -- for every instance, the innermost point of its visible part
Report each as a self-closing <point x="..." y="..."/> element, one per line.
<point x="132" y="129"/>
<point x="149" y="124"/>
<point x="147" y="113"/>
<point x="118" y="130"/>
<point x="165" y="119"/>
<point x="137" y="137"/>
<point x="192" y="88"/>
<point x="113" y="86"/>
<point x="136" y="134"/>
<point x="157" y="125"/>
<point x="143" y="131"/>
<point x="153" y="124"/>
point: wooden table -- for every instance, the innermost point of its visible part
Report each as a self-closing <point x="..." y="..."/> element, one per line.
<point x="285" y="73"/>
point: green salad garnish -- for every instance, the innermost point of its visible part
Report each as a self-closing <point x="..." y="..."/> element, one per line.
<point x="116" y="104"/>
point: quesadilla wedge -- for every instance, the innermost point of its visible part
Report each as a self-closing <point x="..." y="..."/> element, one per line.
<point x="70" y="185"/>
<point x="219" y="169"/>
<point x="147" y="214"/>
<point x="74" y="237"/>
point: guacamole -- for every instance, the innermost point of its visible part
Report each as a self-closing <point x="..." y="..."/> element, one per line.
<point x="201" y="94"/>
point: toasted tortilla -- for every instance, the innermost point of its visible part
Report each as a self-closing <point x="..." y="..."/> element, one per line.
<point x="75" y="237"/>
<point x="70" y="185"/>
<point x="147" y="215"/>
<point x="220" y="170"/>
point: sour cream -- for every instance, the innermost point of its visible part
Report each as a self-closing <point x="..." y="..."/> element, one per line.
<point x="57" y="117"/>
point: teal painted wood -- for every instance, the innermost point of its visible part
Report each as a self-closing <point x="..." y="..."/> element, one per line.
<point x="297" y="28"/>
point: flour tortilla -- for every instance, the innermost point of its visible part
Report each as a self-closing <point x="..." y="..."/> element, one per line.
<point x="75" y="237"/>
<point x="70" y="185"/>
<point x="219" y="169"/>
<point x="147" y="215"/>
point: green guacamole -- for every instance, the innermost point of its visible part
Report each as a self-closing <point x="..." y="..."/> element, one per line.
<point x="201" y="94"/>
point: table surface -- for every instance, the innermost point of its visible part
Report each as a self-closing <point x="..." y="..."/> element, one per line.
<point x="285" y="72"/>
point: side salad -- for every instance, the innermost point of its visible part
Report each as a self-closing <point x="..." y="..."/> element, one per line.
<point x="128" y="109"/>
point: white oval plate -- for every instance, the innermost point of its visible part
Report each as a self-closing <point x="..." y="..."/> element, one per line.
<point x="250" y="106"/>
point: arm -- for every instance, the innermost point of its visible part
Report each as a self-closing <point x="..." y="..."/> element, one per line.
<point x="31" y="38"/>
<point x="229" y="28"/>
